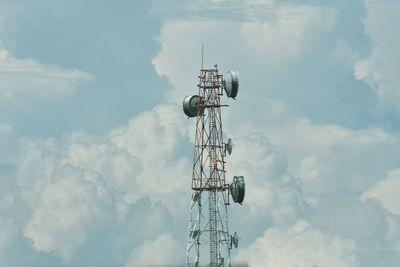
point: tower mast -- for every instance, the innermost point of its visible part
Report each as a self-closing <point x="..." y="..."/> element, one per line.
<point x="208" y="221"/>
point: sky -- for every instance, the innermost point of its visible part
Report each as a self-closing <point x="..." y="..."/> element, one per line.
<point x="96" y="153"/>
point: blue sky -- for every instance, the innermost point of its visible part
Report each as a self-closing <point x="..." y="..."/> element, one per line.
<point x="96" y="152"/>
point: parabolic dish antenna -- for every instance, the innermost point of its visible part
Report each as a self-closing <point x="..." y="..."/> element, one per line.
<point x="231" y="84"/>
<point x="238" y="189"/>
<point x="235" y="239"/>
<point x="191" y="104"/>
<point x="229" y="146"/>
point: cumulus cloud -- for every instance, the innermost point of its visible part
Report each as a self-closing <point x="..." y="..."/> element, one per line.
<point x="299" y="55"/>
<point x="288" y="36"/>
<point x="157" y="137"/>
<point x="76" y="186"/>
<point x="386" y="192"/>
<point x="381" y="69"/>
<point x="374" y="72"/>
<point x="117" y="167"/>
<point x="297" y="88"/>
<point x="298" y="245"/>
<point x="73" y="186"/>
<point x="269" y="185"/>
<point x="67" y="210"/>
<point x="28" y="76"/>
<point x="321" y="155"/>
<point x="157" y="252"/>
<point x="272" y="44"/>
<point x="128" y="189"/>
<point x="34" y="169"/>
<point x="308" y="169"/>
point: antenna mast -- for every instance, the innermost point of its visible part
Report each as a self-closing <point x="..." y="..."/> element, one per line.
<point x="202" y="55"/>
<point x="208" y="221"/>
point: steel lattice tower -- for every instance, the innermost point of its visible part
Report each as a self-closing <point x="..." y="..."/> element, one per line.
<point x="208" y="221"/>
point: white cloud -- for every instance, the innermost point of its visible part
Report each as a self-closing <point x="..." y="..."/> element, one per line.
<point x="297" y="88"/>
<point x="79" y="183"/>
<point x="157" y="137"/>
<point x="382" y="69"/>
<point x="116" y="167"/>
<point x="268" y="45"/>
<point x="34" y="169"/>
<point x="67" y="210"/>
<point x="298" y="245"/>
<point x="269" y="51"/>
<point x="159" y="251"/>
<point x="393" y="232"/>
<point x="269" y="186"/>
<point x="327" y="158"/>
<point x="184" y="71"/>
<point x="30" y="77"/>
<point x="309" y="133"/>
<point x="386" y="192"/>
<point x="290" y="34"/>
<point x="308" y="169"/>
<point x="374" y="72"/>
<point x="5" y="128"/>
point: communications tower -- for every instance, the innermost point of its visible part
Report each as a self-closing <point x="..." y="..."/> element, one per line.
<point x="209" y="241"/>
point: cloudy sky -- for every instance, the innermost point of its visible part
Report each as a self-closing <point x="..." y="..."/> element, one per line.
<point x="96" y="153"/>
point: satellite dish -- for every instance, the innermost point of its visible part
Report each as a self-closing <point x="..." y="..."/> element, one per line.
<point x="191" y="104"/>
<point x="231" y="84"/>
<point x="229" y="146"/>
<point x="235" y="239"/>
<point x="237" y="189"/>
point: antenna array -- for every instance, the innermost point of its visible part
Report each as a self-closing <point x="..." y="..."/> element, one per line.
<point x="208" y="221"/>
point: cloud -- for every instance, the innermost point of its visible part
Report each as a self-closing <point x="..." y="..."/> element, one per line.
<point x="297" y="88"/>
<point x="119" y="182"/>
<point x="270" y="44"/>
<point x="30" y="77"/>
<point x="289" y="35"/>
<point x="5" y="128"/>
<point x="381" y="69"/>
<point x="269" y="185"/>
<point x="364" y="222"/>
<point x="157" y="137"/>
<point x="67" y="210"/>
<point x="329" y="159"/>
<point x="374" y="72"/>
<point x="276" y="198"/>
<point x="299" y="55"/>
<point x="160" y="251"/>
<point x="73" y="188"/>
<point x="298" y="245"/>
<point x="308" y="169"/>
<point x="115" y="166"/>
<point x="385" y="192"/>
<point x="122" y="197"/>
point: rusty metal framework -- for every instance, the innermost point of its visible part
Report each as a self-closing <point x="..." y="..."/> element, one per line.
<point x="209" y="146"/>
<point x="208" y="222"/>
